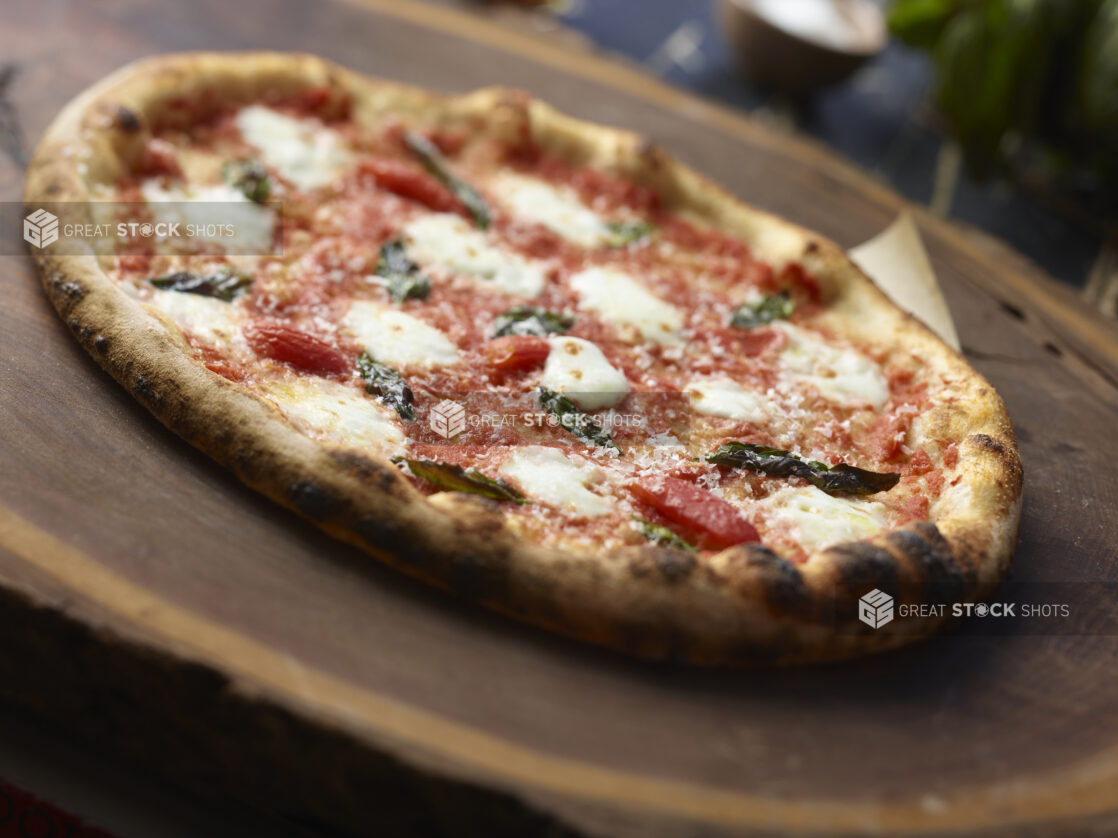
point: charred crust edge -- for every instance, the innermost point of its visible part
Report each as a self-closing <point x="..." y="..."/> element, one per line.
<point x="671" y="564"/>
<point x="781" y="584"/>
<point x="126" y="120"/>
<point x="755" y="574"/>
<point x="935" y="574"/>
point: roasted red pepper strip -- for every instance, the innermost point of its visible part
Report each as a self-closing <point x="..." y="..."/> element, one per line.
<point x="701" y="517"/>
<point x="409" y="181"/>
<point x="300" y="349"/>
<point x="517" y="352"/>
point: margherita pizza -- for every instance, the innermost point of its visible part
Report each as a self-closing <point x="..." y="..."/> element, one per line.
<point x="528" y="359"/>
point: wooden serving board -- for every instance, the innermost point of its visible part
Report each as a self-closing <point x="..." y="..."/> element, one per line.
<point x="150" y="603"/>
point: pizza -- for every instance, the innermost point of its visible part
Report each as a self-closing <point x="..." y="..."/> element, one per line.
<point x="531" y="360"/>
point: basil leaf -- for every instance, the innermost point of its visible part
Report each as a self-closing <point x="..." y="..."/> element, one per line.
<point x="777" y="307"/>
<point x="622" y="233"/>
<point x="574" y="421"/>
<point x="458" y="479"/>
<point x="401" y="274"/>
<point x="387" y="385"/>
<point x="526" y="320"/>
<point x="840" y="479"/>
<point x="249" y="177"/>
<point x="224" y="284"/>
<point x="408" y="287"/>
<point x="433" y="160"/>
<point x="660" y="536"/>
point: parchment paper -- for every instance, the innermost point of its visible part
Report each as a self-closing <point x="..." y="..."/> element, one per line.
<point x="896" y="260"/>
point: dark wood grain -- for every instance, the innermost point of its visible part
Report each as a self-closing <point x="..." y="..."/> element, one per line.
<point x="167" y="609"/>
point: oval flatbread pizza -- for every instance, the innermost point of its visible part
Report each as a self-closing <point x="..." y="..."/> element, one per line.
<point x="531" y="360"/>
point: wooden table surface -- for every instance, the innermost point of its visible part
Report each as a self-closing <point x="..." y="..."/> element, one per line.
<point x="151" y="604"/>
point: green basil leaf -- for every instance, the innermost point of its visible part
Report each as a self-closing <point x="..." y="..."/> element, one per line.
<point x="574" y="420"/>
<point x="527" y="320"/>
<point x="249" y="177"/>
<point x="401" y="274"/>
<point x="458" y="479"/>
<point x="433" y="160"/>
<point x="408" y="287"/>
<point x="840" y="479"/>
<point x="776" y="307"/>
<point x="224" y="284"/>
<point x="622" y="233"/>
<point x="660" y="536"/>
<point x="386" y="384"/>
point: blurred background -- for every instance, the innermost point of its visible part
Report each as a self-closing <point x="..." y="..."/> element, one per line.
<point x="1001" y="114"/>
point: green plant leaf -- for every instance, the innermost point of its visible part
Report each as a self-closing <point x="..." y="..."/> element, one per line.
<point x="225" y="284"/>
<point x="458" y="479"/>
<point x="775" y="307"/>
<point x="840" y="479"/>
<point x="249" y="177"/>
<point x="622" y="233"/>
<point x="920" y="23"/>
<point x="574" y="420"/>
<point x="401" y="275"/>
<point x="429" y="154"/>
<point x="386" y="384"/>
<point x="528" y="320"/>
<point x="660" y="536"/>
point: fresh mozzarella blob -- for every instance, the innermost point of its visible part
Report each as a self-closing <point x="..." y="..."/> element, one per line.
<point x="398" y="339"/>
<point x="622" y="301"/>
<point x="726" y="398"/>
<point x="302" y="150"/>
<point x="817" y="520"/>
<point x="252" y="225"/>
<point x="558" y="210"/>
<point x="578" y="369"/>
<point x="547" y="475"/>
<point x="209" y="320"/>
<point x="328" y="410"/>
<point x="843" y="376"/>
<point x="448" y="241"/>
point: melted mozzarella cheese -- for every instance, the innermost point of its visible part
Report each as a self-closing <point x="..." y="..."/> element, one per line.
<point x="622" y="301"/>
<point x="209" y="320"/>
<point x="252" y="225"/>
<point x="558" y="210"/>
<point x="328" y="410"/>
<point x="578" y="369"/>
<point x="816" y="520"/>
<point x="726" y="398"/>
<point x="447" y="241"/>
<point x="302" y="150"/>
<point x="844" y="376"/>
<point x="398" y="339"/>
<point x="547" y="475"/>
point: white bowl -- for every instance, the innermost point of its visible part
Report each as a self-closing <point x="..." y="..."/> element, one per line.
<point x="799" y="45"/>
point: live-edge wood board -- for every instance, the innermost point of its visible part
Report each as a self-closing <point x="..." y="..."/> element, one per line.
<point x="150" y="604"/>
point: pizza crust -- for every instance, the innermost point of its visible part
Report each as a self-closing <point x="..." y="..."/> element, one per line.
<point x="744" y="605"/>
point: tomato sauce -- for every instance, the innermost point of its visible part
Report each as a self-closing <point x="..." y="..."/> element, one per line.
<point x="331" y="247"/>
